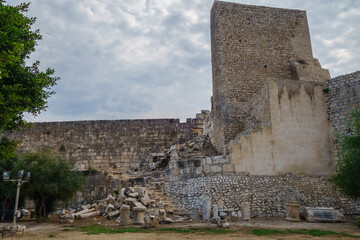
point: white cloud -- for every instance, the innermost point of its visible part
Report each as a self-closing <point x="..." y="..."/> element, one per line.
<point x="151" y="58"/>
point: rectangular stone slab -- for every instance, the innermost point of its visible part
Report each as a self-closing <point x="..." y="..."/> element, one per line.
<point x="323" y="215"/>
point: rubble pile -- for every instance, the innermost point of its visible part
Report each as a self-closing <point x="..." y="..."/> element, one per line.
<point x="12" y="231"/>
<point x="132" y="206"/>
<point x="199" y="147"/>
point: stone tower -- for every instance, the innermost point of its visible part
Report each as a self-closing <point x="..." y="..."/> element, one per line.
<point x="250" y="44"/>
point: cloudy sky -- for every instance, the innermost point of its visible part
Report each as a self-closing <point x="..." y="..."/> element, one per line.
<point x="121" y="59"/>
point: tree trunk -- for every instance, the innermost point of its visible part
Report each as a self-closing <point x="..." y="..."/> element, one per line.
<point x="44" y="208"/>
<point x="41" y="210"/>
<point x="39" y="213"/>
<point x="5" y="203"/>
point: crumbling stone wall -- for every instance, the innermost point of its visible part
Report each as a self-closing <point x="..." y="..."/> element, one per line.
<point x="297" y="138"/>
<point x="109" y="145"/>
<point x="343" y="95"/>
<point x="179" y="170"/>
<point x="250" y="44"/>
<point x="267" y="195"/>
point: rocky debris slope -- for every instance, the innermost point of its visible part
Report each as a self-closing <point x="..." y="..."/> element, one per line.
<point x="132" y="205"/>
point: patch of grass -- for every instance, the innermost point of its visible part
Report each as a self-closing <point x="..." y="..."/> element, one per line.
<point x="312" y="232"/>
<point x="265" y="232"/>
<point x="196" y="230"/>
<point x="68" y="229"/>
<point x="51" y="235"/>
<point x="96" y="229"/>
<point x="178" y="230"/>
<point x="316" y="233"/>
<point x="216" y="230"/>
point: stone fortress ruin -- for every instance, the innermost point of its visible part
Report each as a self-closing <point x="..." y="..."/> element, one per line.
<point x="267" y="139"/>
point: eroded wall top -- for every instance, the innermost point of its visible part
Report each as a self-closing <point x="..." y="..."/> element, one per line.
<point x="106" y="144"/>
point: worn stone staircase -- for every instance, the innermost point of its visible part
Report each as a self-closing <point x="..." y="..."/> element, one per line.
<point x="156" y="191"/>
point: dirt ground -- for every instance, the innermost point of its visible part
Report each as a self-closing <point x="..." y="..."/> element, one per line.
<point x="54" y="230"/>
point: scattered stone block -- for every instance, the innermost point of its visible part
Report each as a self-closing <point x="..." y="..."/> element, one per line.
<point x="138" y="205"/>
<point x="124" y="218"/>
<point x="167" y="208"/>
<point x="151" y="221"/>
<point x="206" y="207"/>
<point x="129" y="190"/>
<point x="76" y="215"/>
<point x="67" y="218"/>
<point x="110" y="199"/>
<point x="109" y="208"/>
<point x="122" y="193"/>
<point x="116" y="205"/>
<point x="292" y="211"/>
<point x="323" y="215"/>
<point x="215" y="220"/>
<point x="166" y="221"/>
<point x="84" y="207"/>
<point x="145" y="200"/>
<point x="133" y="195"/>
<point x="162" y="214"/>
<point x="129" y="201"/>
<point x="113" y="215"/>
<point x="215" y="211"/>
<point x="90" y="214"/>
<point x="225" y="225"/>
<point x="143" y="193"/>
<point x="139" y="215"/>
<point x="245" y="211"/>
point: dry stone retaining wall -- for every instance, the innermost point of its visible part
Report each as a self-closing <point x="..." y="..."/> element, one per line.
<point x="267" y="195"/>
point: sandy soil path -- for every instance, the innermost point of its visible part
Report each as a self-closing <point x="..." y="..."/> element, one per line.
<point x="54" y="230"/>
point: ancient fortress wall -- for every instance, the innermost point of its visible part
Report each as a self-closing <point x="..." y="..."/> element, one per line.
<point x="270" y="116"/>
<point x="296" y="141"/>
<point x="110" y="145"/>
<point x="343" y="95"/>
<point x="250" y="44"/>
<point x="269" y="112"/>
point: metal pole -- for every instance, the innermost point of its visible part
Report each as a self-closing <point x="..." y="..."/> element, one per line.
<point x="17" y="200"/>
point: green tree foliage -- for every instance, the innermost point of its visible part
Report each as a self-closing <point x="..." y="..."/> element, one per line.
<point x="22" y="88"/>
<point x="347" y="171"/>
<point x="52" y="180"/>
<point x="7" y="189"/>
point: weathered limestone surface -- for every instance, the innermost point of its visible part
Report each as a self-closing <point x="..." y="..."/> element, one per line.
<point x="245" y="211"/>
<point x="124" y="218"/>
<point x="109" y="145"/>
<point x="292" y="211"/>
<point x="296" y="141"/>
<point x="323" y="215"/>
<point x="139" y="215"/>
